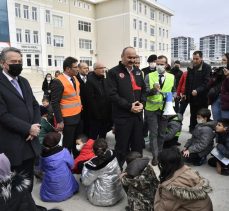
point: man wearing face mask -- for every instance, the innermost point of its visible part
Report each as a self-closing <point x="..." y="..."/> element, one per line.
<point x="196" y="88"/>
<point x="158" y="83"/>
<point x="19" y="115"/>
<point x="152" y="65"/>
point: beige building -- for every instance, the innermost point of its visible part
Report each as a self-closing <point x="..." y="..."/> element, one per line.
<point x="47" y="31"/>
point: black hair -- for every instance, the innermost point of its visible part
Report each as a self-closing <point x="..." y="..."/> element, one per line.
<point x="51" y="141"/>
<point x="204" y="112"/>
<point x="45" y="99"/>
<point x="169" y="161"/>
<point x="225" y="122"/>
<point x="198" y="53"/>
<point x="68" y="62"/>
<point x="227" y="56"/>
<point x="82" y="137"/>
<point x="100" y="147"/>
<point x="132" y="156"/>
<point x="163" y="57"/>
<point x="48" y="74"/>
<point x="152" y="58"/>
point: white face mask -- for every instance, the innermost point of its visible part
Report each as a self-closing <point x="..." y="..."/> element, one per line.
<point x="152" y="64"/>
<point x="200" y="121"/>
<point x="79" y="147"/>
<point x="160" y="69"/>
<point x="48" y="79"/>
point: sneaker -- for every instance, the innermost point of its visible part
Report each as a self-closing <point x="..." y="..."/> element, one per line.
<point x="212" y="162"/>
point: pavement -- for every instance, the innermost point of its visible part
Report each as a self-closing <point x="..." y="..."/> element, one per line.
<point x="219" y="183"/>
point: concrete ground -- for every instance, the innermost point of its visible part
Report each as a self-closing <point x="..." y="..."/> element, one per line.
<point x="219" y="183"/>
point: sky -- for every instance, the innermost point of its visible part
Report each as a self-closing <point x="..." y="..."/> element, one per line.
<point x="198" y="18"/>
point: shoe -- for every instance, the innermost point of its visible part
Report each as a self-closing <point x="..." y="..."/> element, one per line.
<point x="201" y="162"/>
<point x="154" y="162"/>
<point x="40" y="208"/>
<point x="212" y="162"/>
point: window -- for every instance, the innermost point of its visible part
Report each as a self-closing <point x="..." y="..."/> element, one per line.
<point x="17" y="10"/>
<point x="159" y="46"/>
<point x="159" y="31"/>
<point x="37" y="60"/>
<point x="152" y="14"/>
<point x="59" y="61"/>
<point x="82" y="4"/>
<point x="58" y="41"/>
<point x="135" y="42"/>
<point x="140" y="7"/>
<point x="85" y="44"/>
<point x="167" y="33"/>
<point x="145" y="27"/>
<point x="49" y="60"/>
<point x="145" y="9"/>
<point x="84" y="26"/>
<point x="159" y="16"/>
<point x="57" y="21"/>
<point x="87" y="60"/>
<point x="163" y="46"/>
<point x="140" y="43"/>
<point x="18" y="35"/>
<point x="135" y="24"/>
<point x="163" y="34"/>
<point x="27" y="36"/>
<point x="146" y="44"/>
<point x="140" y="25"/>
<point x="49" y="38"/>
<point x="34" y="13"/>
<point x="152" y="45"/>
<point x="167" y="19"/>
<point x="163" y="18"/>
<point x="26" y="11"/>
<point x="35" y="36"/>
<point x="28" y="60"/>
<point x="135" y="5"/>
<point x="152" y="30"/>
<point x="47" y="16"/>
<point x="63" y="1"/>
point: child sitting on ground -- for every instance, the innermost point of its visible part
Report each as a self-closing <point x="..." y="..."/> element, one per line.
<point x="200" y="145"/>
<point x="173" y="131"/>
<point x="84" y="146"/>
<point x="222" y="132"/>
<point x="140" y="182"/>
<point x="58" y="183"/>
<point x="101" y="174"/>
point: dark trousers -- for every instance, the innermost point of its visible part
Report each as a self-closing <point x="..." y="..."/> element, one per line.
<point x="70" y="132"/>
<point x="27" y="169"/>
<point x="194" y="108"/>
<point x="98" y="128"/>
<point x="182" y="107"/>
<point x="128" y="136"/>
<point x="193" y="158"/>
<point x="145" y="126"/>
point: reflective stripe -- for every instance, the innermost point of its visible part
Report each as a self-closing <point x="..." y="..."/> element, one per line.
<point x="68" y="96"/>
<point x="70" y="105"/>
<point x="153" y="102"/>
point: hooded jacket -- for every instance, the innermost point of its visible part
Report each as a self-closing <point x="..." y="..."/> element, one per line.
<point x="101" y="178"/>
<point x="185" y="191"/>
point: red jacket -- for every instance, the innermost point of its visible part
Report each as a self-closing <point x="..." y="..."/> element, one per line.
<point x="86" y="154"/>
<point x="182" y="83"/>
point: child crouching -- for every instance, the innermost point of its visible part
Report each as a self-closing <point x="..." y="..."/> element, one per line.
<point x="140" y="182"/>
<point x="101" y="174"/>
<point x="58" y="183"/>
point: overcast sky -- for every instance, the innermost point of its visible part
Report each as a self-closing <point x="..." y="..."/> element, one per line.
<point x="198" y="18"/>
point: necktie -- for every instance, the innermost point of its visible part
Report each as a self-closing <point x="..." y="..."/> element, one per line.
<point x="84" y="79"/>
<point x="160" y="80"/>
<point x="16" y="85"/>
<point x="74" y="83"/>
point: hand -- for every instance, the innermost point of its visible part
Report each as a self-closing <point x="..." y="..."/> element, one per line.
<point x="34" y="130"/>
<point x="122" y="175"/>
<point x="136" y="107"/>
<point x="194" y="93"/>
<point x="30" y="138"/>
<point x="226" y="72"/>
<point x="183" y="97"/>
<point x="60" y="126"/>
<point x="49" y="91"/>
<point x="186" y="153"/>
<point x="157" y="87"/>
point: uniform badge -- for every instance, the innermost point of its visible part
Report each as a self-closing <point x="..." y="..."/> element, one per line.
<point x="121" y="75"/>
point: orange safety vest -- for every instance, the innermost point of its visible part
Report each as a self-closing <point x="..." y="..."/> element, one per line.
<point x="70" y="103"/>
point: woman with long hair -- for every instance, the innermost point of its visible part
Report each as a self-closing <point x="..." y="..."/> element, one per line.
<point x="46" y="86"/>
<point x="180" y="187"/>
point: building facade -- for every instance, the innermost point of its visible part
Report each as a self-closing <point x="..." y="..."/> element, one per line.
<point x="214" y="46"/>
<point x="47" y="31"/>
<point x="181" y="48"/>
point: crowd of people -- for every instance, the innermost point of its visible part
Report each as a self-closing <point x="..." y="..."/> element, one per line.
<point x="66" y="135"/>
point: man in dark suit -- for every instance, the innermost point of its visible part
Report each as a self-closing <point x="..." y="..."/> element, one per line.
<point x="19" y="115"/>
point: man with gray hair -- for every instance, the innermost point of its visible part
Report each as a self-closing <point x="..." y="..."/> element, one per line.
<point x="99" y="106"/>
<point x="19" y="115"/>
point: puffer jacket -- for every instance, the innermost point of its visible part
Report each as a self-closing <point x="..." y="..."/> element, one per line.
<point x="58" y="183"/>
<point x="202" y="139"/>
<point x="185" y="191"/>
<point x="101" y="178"/>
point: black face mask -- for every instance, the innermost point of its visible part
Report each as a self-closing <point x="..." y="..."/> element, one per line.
<point x="15" y="69"/>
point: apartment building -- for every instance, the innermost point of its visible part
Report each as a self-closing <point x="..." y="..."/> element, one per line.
<point x="47" y="31"/>
<point x="181" y="48"/>
<point x="214" y="46"/>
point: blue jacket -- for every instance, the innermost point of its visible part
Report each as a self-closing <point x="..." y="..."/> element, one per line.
<point x="58" y="183"/>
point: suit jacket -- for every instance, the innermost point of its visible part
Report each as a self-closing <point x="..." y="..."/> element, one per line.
<point x="17" y="114"/>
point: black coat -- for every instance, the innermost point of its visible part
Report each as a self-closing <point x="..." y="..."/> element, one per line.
<point x="121" y="92"/>
<point x="17" y="114"/>
<point x="46" y="87"/>
<point x="148" y="70"/>
<point x="177" y="74"/>
<point x="198" y="79"/>
<point x="99" y="105"/>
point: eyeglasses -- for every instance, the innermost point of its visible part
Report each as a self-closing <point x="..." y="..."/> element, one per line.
<point x="75" y="67"/>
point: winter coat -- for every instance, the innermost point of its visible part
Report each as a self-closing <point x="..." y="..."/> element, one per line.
<point x="185" y="191"/>
<point x="46" y="127"/>
<point x="148" y="70"/>
<point x="86" y="154"/>
<point x="14" y="194"/>
<point x="58" y="183"/>
<point x="177" y="74"/>
<point x="140" y="184"/>
<point x="202" y="139"/>
<point x="223" y="144"/>
<point x="101" y="178"/>
<point x="182" y="84"/>
<point x="225" y="95"/>
<point x="46" y="87"/>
